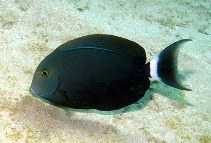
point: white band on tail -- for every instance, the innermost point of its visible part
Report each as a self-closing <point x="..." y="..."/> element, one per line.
<point x="154" y="68"/>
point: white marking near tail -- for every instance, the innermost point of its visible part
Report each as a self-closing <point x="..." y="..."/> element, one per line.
<point x="154" y="68"/>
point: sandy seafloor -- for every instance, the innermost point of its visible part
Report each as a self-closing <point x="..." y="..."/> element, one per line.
<point x="31" y="29"/>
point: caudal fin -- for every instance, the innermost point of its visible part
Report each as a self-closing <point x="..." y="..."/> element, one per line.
<point x="164" y="66"/>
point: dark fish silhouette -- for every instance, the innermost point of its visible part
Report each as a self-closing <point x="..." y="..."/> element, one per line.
<point x="102" y="72"/>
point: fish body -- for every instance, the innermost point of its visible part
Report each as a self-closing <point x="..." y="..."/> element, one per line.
<point x="102" y="72"/>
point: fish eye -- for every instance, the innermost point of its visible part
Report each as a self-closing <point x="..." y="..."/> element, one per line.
<point x="45" y="73"/>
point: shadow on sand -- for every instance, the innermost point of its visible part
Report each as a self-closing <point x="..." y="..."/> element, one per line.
<point x="162" y="89"/>
<point x="46" y="120"/>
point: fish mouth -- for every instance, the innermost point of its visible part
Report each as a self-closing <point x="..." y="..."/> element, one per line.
<point x="32" y="91"/>
<point x="34" y="94"/>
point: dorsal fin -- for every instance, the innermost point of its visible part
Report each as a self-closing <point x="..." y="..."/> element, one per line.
<point x="117" y="44"/>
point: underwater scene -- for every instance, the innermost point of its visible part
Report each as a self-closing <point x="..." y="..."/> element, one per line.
<point x="97" y="71"/>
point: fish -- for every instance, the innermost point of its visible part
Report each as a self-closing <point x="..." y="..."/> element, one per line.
<point x="103" y="72"/>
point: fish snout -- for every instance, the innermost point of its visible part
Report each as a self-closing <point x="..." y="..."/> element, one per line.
<point x="32" y="91"/>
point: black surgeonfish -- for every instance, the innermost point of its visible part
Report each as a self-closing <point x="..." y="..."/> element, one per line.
<point x="102" y="72"/>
